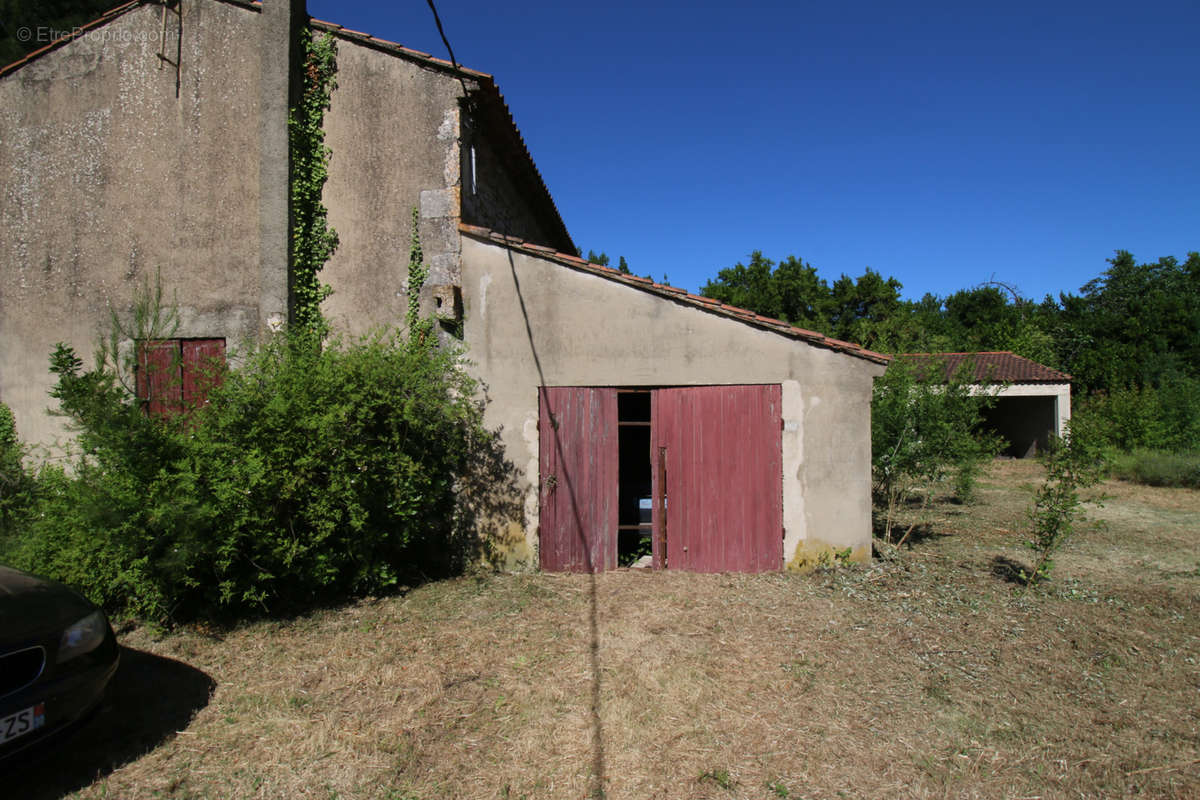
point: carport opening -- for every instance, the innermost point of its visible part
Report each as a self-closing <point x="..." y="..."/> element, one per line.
<point x="635" y="526"/>
<point x="1026" y="423"/>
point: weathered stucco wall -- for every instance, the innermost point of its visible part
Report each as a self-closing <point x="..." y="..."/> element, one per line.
<point x="393" y="128"/>
<point x="398" y="138"/>
<point x="115" y="166"/>
<point x="532" y="322"/>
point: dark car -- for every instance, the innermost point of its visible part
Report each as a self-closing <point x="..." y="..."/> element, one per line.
<point x="57" y="655"/>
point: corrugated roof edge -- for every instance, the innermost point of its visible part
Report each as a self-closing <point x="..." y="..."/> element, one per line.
<point x="675" y="294"/>
<point x="486" y="82"/>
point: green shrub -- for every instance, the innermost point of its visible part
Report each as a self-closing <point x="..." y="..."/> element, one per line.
<point x="1072" y="463"/>
<point x="312" y="474"/>
<point x="16" y="484"/>
<point x="1147" y="418"/>
<point x="1159" y="468"/>
<point x="925" y="430"/>
<point x="84" y="530"/>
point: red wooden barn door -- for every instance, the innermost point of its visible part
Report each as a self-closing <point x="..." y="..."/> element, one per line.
<point x="158" y="385"/>
<point x="724" y="477"/>
<point x="203" y="360"/>
<point x="577" y="428"/>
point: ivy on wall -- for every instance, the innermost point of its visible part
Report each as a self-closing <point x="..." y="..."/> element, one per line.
<point x="418" y="328"/>
<point x="313" y="240"/>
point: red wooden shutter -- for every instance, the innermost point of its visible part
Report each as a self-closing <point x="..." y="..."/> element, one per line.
<point x="724" y="477"/>
<point x="577" y="429"/>
<point x="203" y="361"/>
<point x="158" y="383"/>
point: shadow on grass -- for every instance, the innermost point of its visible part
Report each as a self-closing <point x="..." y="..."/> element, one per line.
<point x="920" y="533"/>
<point x="150" y="699"/>
<point x="1011" y="570"/>
<point x="599" y="766"/>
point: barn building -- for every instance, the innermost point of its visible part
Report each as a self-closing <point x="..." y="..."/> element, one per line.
<point x="642" y="423"/>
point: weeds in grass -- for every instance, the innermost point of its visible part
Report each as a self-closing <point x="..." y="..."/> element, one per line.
<point x="719" y="776"/>
<point x="777" y="788"/>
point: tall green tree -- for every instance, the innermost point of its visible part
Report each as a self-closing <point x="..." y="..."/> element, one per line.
<point x="1135" y="324"/>
<point x="791" y="291"/>
<point x="862" y="307"/>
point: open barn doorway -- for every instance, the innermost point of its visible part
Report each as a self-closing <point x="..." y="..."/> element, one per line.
<point x="635" y="500"/>
<point x="688" y="476"/>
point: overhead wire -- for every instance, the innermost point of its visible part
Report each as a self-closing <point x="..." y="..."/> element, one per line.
<point x="446" y="41"/>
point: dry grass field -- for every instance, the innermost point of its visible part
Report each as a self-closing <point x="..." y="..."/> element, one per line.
<point x="929" y="674"/>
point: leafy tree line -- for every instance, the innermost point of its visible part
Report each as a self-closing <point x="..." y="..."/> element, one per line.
<point x="1130" y="337"/>
<point x="622" y="267"/>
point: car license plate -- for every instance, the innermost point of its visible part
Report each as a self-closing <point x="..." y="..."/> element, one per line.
<point x="27" y="720"/>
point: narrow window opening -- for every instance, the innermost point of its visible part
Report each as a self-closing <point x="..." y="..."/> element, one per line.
<point x="635" y="523"/>
<point x="471" y="158"/>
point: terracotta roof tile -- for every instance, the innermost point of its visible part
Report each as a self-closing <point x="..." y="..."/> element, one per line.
<point x="1001" y="366"/>
<point x="676" y="294"/>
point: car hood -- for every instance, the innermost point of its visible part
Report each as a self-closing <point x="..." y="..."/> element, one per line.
<point x="32" y="607"/>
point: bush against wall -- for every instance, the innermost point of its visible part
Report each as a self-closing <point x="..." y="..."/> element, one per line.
<point x="312" y="474"/>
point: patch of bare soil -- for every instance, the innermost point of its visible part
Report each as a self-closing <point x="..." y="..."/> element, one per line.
<point x="929" y="674"/>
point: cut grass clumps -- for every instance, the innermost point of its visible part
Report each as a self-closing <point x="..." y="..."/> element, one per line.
<point x="1159" y="468"/>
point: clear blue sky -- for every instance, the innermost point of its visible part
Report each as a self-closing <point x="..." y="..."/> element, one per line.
<point x="944" y="144"/>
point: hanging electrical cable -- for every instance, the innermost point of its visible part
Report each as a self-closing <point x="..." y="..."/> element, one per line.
<point x="453" y="61"/>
